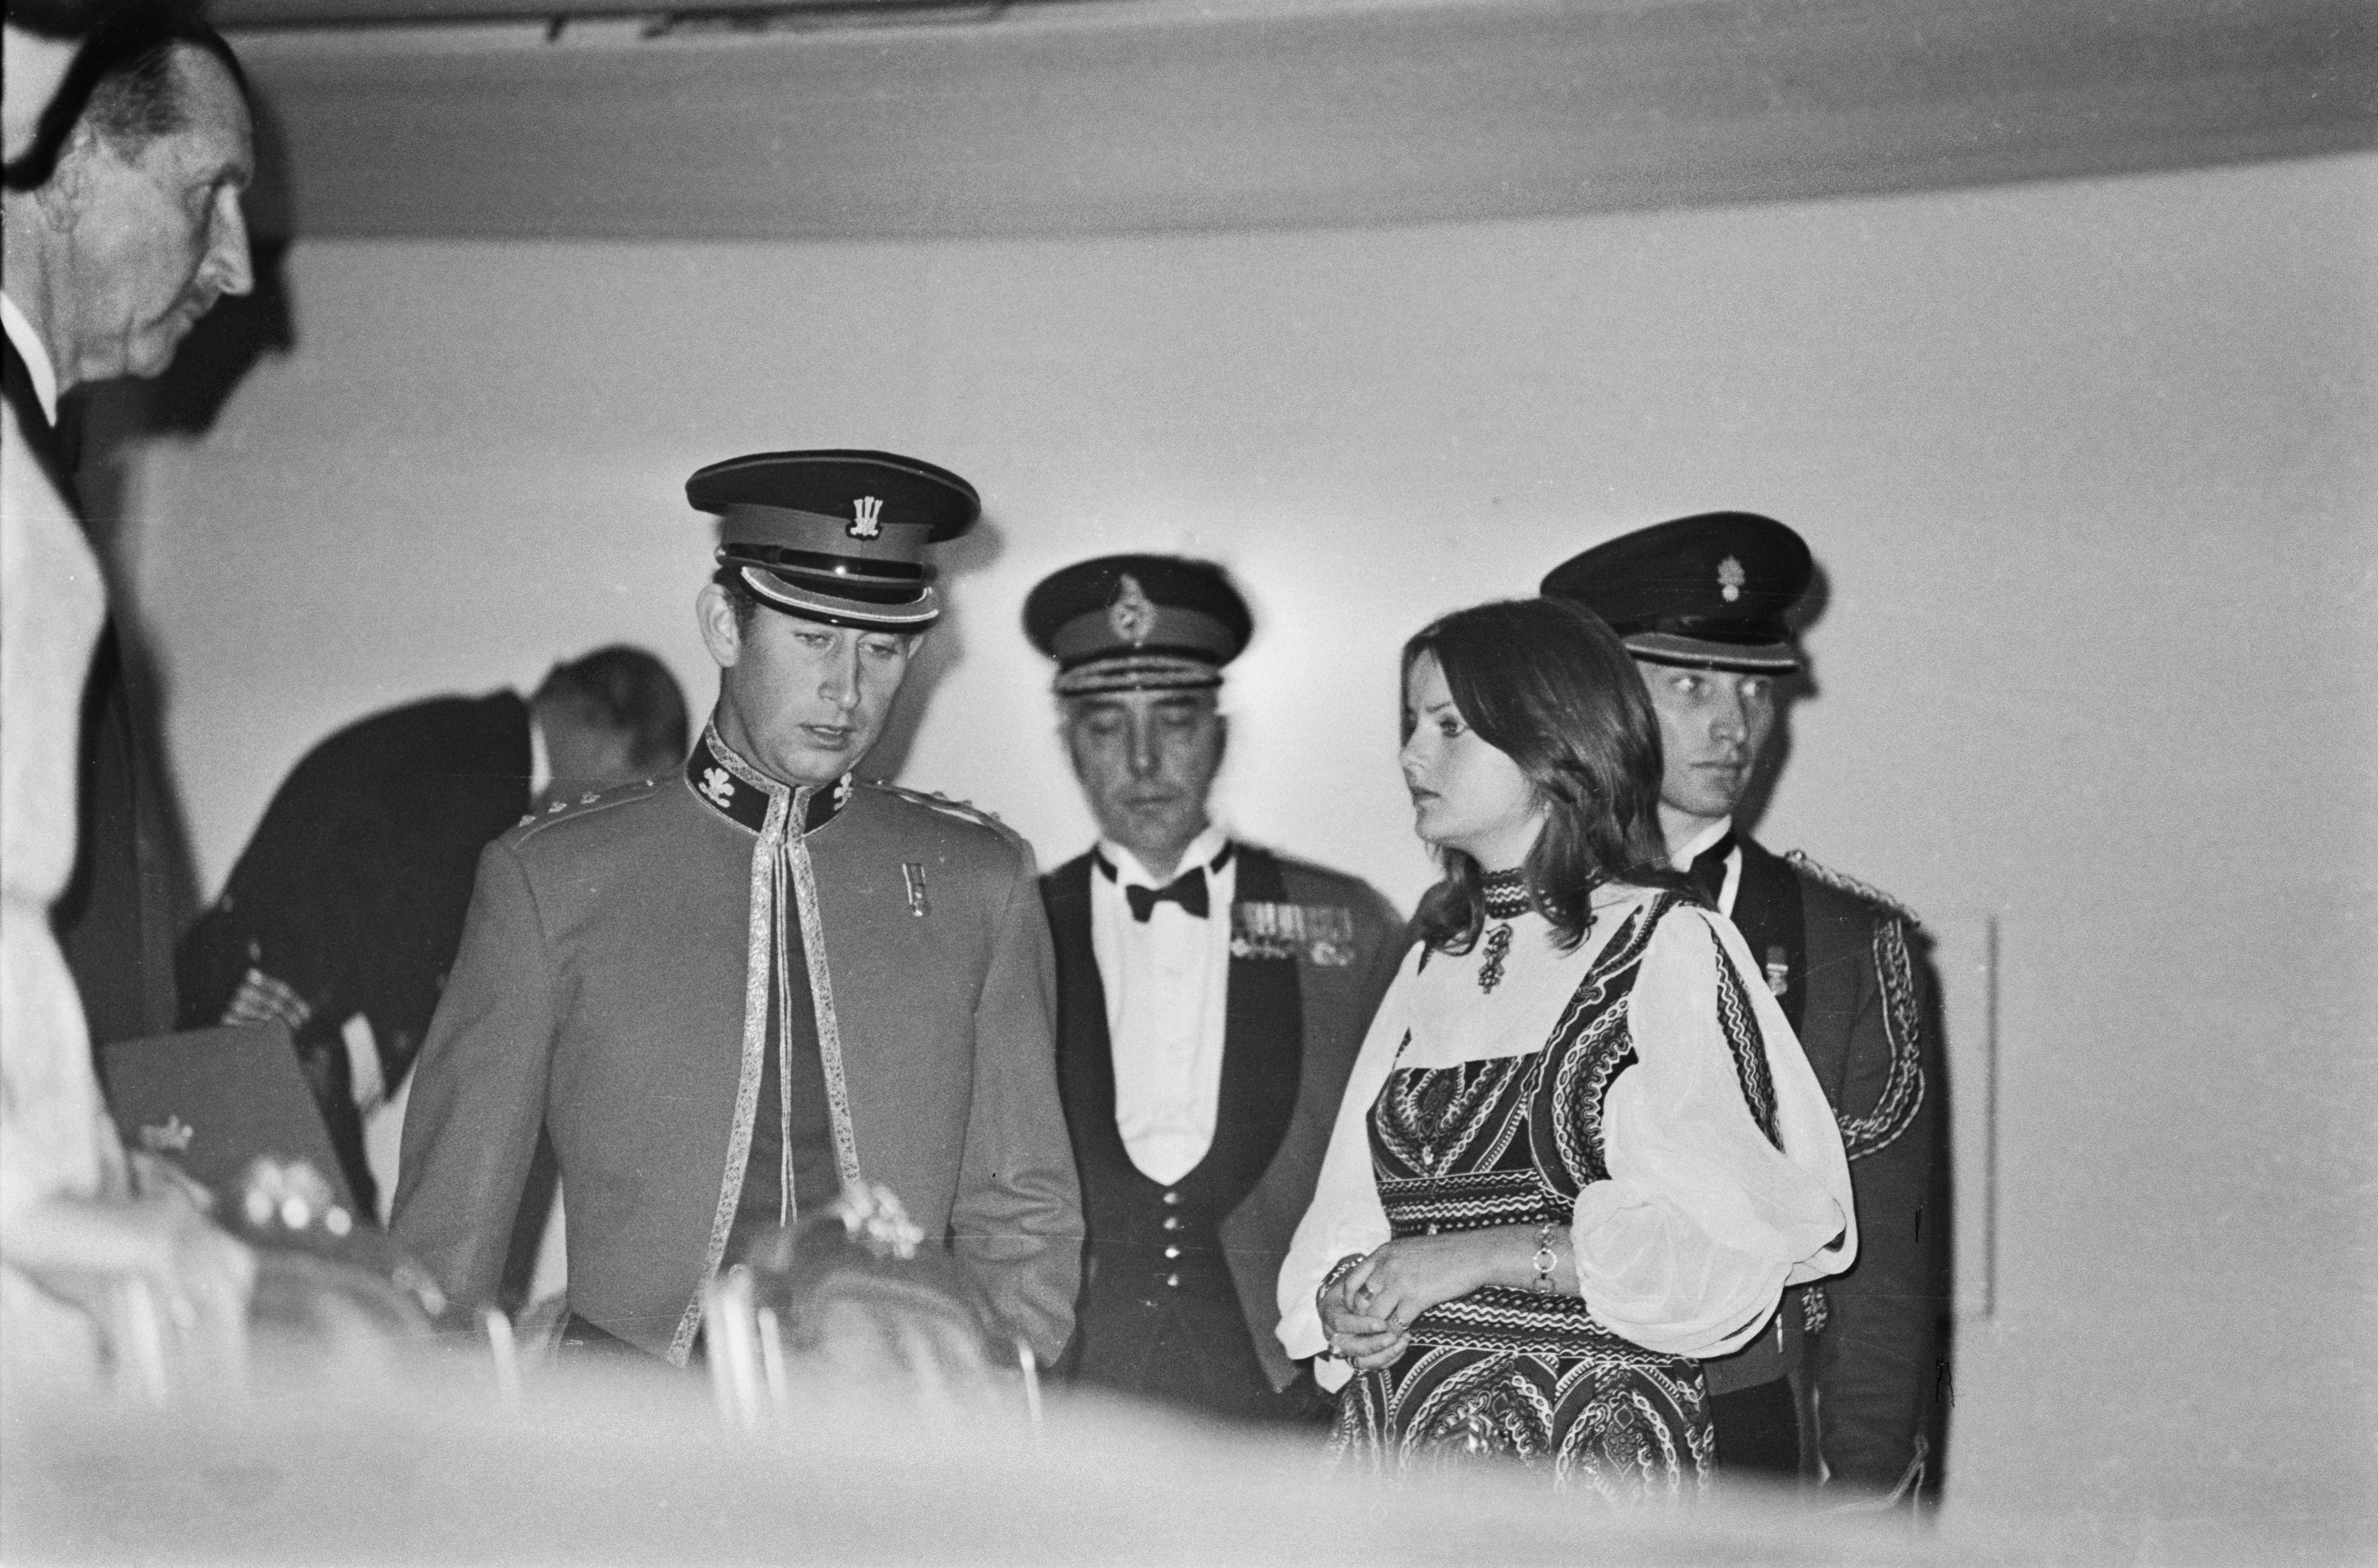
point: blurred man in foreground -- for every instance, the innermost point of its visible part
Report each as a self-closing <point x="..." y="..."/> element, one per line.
<point x="89" y="1273"/>
<point x="132" y="235"/>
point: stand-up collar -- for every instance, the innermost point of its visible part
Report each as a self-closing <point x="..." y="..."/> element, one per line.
<point x="720" y="777"/>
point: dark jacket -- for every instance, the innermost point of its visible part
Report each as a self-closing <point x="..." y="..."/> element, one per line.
<point x="1859" y="998"/>
<point x="1332" y="1001"/>
<point x="352" y="890"/>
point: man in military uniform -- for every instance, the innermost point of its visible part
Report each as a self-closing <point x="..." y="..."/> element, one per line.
<point x="732" y="992"/>
<point x="1211" y="997"/>
<point x="1702" y="604"/>
<point x="348" y="901"/>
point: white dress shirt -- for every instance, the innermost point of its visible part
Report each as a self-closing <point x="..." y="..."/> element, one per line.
<point x="1683" y="860"/>
<point x="1167" y="982"/>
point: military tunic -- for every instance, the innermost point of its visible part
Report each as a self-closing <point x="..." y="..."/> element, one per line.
<point x="1838" y="957"/>
<point x="606" y="991"/>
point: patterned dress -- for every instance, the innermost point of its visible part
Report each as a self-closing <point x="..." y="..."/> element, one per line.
<point x="1513" y="1138"/>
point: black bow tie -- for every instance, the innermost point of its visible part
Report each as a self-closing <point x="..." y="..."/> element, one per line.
<point x="1188" y="890"/>
<point x="1708" y="869"/>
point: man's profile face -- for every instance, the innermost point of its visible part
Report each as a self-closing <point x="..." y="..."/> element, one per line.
<point x="802" y="701"/>
<point x="155" y="235"/>
<point x="1146" y="759"/>
<point x="1713" y="723"/>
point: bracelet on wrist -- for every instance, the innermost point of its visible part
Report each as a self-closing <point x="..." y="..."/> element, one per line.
<point x="1546" y="1260"/>
<point x="1338" y="1271"/>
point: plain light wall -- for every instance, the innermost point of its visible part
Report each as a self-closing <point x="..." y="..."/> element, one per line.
<point x="2088" y="468"/>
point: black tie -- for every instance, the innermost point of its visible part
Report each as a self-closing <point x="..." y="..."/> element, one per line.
<point x="1709" y="870"/>
<point x="1188" y="890"/>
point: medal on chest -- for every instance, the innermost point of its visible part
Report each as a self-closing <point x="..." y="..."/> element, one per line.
<point x="1319" y="933"/>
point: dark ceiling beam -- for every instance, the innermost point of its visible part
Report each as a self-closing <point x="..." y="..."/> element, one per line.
<point x="1119" y="118"/>
<point x="235" y="15"/>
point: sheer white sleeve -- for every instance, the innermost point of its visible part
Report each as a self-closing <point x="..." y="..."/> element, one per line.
<point x="1689" y="1246"/>
<point x="1345" y="1215"/>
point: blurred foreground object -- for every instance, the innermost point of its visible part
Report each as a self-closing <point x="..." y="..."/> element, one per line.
<point x="56" y="1147"/>
<point x="853" y="1303"/>
<point x="115" y="247"/>
<point x="618" y="1468"/>
<point x="88" y="1276"/>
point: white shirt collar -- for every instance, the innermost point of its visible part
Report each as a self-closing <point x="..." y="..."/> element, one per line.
<point x="1731" y="882"/>
<point x="1200" y="852"/>
<point x="1683" y="858"/>
<point x="540" y="760"/>
<point x="36" y="355"/>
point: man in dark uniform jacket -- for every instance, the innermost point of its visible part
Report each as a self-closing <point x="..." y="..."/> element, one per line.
<point x="349" y="897"/>
<point x="1839" y="1385"/>
<point x="133" y="234"/>
<point x="1211" y="998"/>
<point x="730" y="992"/>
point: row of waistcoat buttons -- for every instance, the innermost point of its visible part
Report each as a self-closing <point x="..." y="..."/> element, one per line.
<point x="1172" y="1223"/>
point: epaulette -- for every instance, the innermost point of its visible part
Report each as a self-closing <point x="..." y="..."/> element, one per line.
<point x="962" y="811"/>
<point x="570" y="807"/>
<point x="1842" y="882"/>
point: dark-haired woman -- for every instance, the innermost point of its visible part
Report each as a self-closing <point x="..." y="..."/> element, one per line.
<point x="1580" y="1149"/>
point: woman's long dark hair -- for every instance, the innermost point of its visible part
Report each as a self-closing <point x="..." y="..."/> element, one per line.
<point x="1549" y="685"/>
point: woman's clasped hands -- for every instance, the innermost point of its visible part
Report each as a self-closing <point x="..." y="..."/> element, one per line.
<point x="1368" y="1311"/>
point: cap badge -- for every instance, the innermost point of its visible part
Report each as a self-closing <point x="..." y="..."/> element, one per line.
<point x="1730" y="579"/>
<point x="1130" y="615"/>
<point x="866" y="518"/>
<point x="716" y="786"/>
